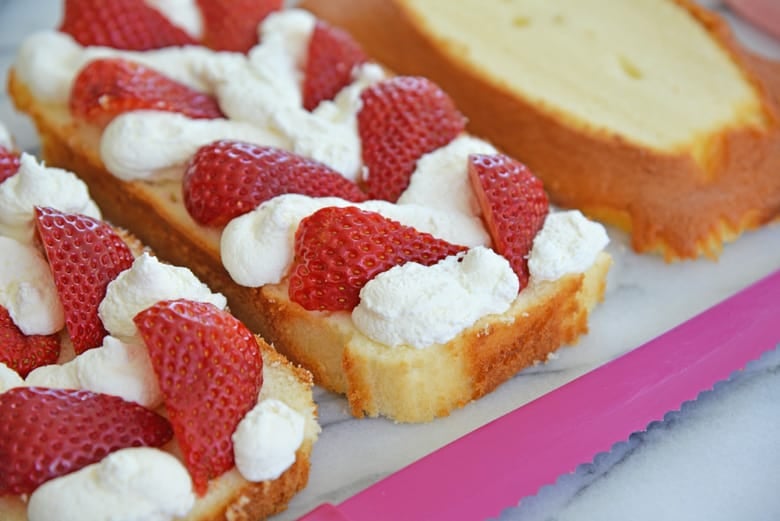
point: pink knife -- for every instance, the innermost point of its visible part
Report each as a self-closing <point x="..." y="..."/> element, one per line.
<point x="493" y="467"/>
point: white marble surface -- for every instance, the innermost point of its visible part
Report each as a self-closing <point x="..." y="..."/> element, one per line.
<point x="717" y="459"/>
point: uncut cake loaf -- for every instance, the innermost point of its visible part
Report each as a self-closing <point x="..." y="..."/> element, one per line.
<point x="648" y="114"/>
<point x="89" y="428"/>
<point x="445" y="327"/>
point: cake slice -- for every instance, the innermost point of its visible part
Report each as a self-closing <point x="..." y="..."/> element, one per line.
<point x="143" y="167"/>
<point x="648" y="115"/>
<point x="72" y="286"/>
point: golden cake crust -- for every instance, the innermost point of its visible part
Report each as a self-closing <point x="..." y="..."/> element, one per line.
<point x="414" y="386"/>
<point x="670" y="202"/>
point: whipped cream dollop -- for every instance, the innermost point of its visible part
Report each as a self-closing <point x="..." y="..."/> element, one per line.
<point x="54" y="376"/>
<point x="266" y="439"/>
<point x="268" y="233"/>
<point x="169" y="140"/>
<point x="441" y="178"/>
<point x="568" y="243"/>
<point x="135" y="484"/>
<point x="418" y="305"/>
<point x="116" y="368"/>
<point x="5" y="138"/>
<point x="329" y="134"/>
<point x="49" y="61"/>
<point x="38" y="185"/>
<point x="260" y="93"/>
<point x="184" y="14"/>
<point x="274" y="75"/>
<point x="269" y="94"/>
<point x="27" y="289"/>
<point x="145" y="283"/>
<point x="9" y="378"/>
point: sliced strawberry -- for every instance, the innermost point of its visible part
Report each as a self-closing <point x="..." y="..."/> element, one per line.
<point x="514" y="205"/>
<point x="338" y="250"/>
<point x="9" y="163"/>
<point x="403" y="118"/>
<point x="332" y="55"/>
<point x="84" y="255"/>
<point x="106" y="88"/>
<point x="24" y="353"/>
<point x="232" y="25"/>
<point x="226" y="179"/>
<point x="47" y="433"/>
<point x="121" y="24"/>
<point x="210" y="373"/>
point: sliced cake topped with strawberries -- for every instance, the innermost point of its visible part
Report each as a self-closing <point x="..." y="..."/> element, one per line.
<point x="113" y="363"/>
<point x="344" y="212"/>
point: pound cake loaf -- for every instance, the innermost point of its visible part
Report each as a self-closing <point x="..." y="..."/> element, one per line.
<point x="127" y="389"/>
<point x="344" y="213"/>
<point x="648" y="114"/>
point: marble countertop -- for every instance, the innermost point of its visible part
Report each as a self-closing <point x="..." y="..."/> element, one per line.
<point x="717" y="459"/>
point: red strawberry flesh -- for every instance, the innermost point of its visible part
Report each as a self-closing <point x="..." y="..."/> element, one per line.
<point x="210" y="372"/>
<point x="85" y="255"/>
<point x="9" y="163"/>
<point x="226" y="179"/>
<point x="402" y="119"/>
<point x="338" y="250"/>
<point x="121" y="24"/>
<point x="23" y="353"/>
<point x="47" y="433"/>
<point x="332" y="54"/>
<point x="514" y="205"/>
<point x="108" y="87"/>
<point x="232" y="25"/>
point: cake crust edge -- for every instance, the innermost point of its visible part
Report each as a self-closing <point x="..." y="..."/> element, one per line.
<point x="328" y="345"/>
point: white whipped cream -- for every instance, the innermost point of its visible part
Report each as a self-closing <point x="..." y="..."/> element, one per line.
<point x="27" y="289"/>
<point x="54" y="376"/>
<point x="116" y="368"/>
<point x="343" y="109"/>
<point x="5" y="138"/>
<point x="266" y="439"/>
<point x="329" y="134"/>
<point x="120" y="369"/>
<point x="49" y="61"/>
<point x="441" y="178"/>
<point x="135" y="484"/>
<point x="262" y="97"/>
<point x="262" y="91"/>
<point x="454" y="227"/>
<point x="269" y="78"/>
<point x="38" y="185"/>
<point x="276" y="67"/>
<point x="415" y="305"/>
<point x="169" y="140"/>
<point x="145" y="283"/>
<point x="269" y="94"/>
<point x="268" y="233"/>
<point x="568" y="243"/>
<point x="184" y="14"/>
<point x="9" y="378"/>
